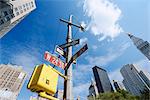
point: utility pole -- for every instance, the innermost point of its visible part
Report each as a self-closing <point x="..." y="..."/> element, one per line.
<point x="68" y="84"/>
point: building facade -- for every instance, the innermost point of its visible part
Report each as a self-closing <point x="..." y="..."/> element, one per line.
<point x="12" y="12"/>
<point x="102" y="80"/>
<point x="145" y="77"/>
<point x="117" y="85"/>
<point x="11" y="80"/>
<point x="141" y="45"/>
<point x="133" y="82"/>
<point x="93" y="88"/>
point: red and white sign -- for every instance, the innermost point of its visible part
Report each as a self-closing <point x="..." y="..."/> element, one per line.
<point x="54" y="60"/>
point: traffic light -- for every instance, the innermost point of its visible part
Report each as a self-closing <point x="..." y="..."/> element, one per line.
<point x="44" y="79"/>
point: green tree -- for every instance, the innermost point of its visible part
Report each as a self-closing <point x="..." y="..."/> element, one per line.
<point x="120" y="95"/>
<point x="145" y="95"/>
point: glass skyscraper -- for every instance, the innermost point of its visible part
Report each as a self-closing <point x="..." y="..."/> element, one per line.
<point x="102" y="80"/>
<point x="133" y="81"/>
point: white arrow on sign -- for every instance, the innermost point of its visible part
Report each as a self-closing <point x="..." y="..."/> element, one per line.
<point x="76" y="55"/>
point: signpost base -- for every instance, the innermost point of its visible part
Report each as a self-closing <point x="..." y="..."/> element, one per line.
<point x="43" y="94"/>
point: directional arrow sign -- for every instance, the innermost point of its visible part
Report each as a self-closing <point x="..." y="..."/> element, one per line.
<point x="76" y="55"/>
<point x="54" y="60"/>
<point x="72" y="43"/>
<point x="60" y="51"/>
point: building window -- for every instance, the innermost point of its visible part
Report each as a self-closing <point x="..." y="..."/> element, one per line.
<point x="24" y="6"/>
<point x="27" y="8"/>
<point x="7" y="18"/>
<point x="1" y="22"/>
<point x="16" y="9"/>
<point x="32" y="4"/>
<point x="21" y="11"/>
<point x="27" y="4"/>
<point x="12" y="16"/>
<point x="20" y="7"/>
<point x="17" y="13"/>
<point x="24" y="9"/>
<point x="5" y="13"/>
<point x="10" y="11"/>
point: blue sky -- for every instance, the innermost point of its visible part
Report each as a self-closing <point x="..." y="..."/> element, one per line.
<point x="109" y="46"/>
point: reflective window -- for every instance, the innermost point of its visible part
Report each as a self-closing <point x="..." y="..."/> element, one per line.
<point x="1" y="22"/>
<point x="17" y="13"/>
<point x="7" y="18"/>
<point x="5" y="13"/>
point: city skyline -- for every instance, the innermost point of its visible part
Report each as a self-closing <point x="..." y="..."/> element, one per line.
<point x="41" y="30"/>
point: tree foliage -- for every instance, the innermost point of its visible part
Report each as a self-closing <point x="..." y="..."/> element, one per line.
<point x="145" y="95"/>
<point x="120" y="95"/>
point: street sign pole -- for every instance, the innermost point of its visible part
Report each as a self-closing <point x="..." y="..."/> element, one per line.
<point x="68" y="83"/>
<point x="68" y="72"/>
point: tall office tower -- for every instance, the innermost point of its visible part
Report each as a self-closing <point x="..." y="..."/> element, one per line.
<point x="145" y="77"/>
<point x="142" y="45"/>
<point x="102" y="80"/>
<point x="12" y="78"/>
<point x="118" y="86"/>
<point x="93" y="88"/>
<point x="12" y="12"/>
<point x="133" y="82"/>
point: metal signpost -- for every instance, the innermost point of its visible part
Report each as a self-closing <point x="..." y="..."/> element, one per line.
<point x="68" y="71"/>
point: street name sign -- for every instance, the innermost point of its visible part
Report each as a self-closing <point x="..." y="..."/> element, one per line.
<point x="54" y="60"/>
<point x="72" y="43"/>
<point x="76" y="55"/>
<point x="60" y="51"/>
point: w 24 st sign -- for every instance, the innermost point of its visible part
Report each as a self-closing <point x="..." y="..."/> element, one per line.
<point x="54" y="60"/>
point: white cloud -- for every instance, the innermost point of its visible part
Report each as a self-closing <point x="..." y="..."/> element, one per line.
<point x="26" y="60"/>
<point x="83" y="41"/>
<point x="109" y="57"/>
<point x="94" y="47"/>
<point x="81" y="91"/>
<point x="116" y="75"/>
<point x="82" y="76"/>
<point x="104" y="16"/>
